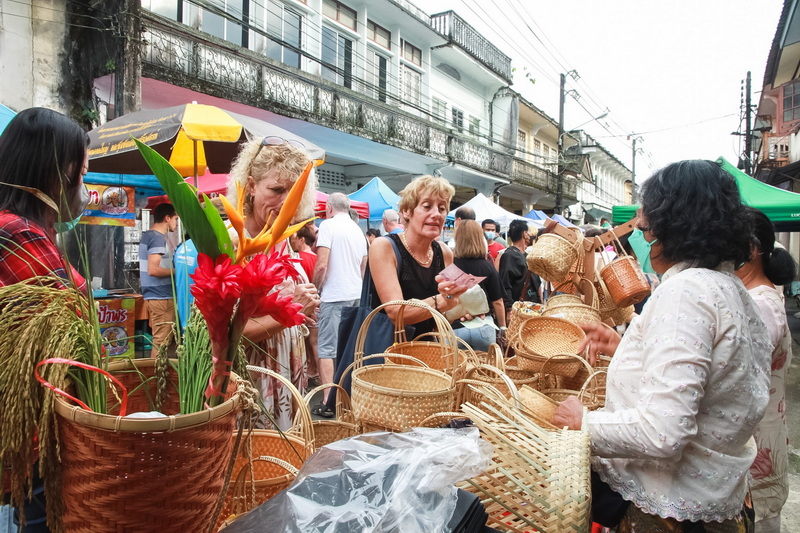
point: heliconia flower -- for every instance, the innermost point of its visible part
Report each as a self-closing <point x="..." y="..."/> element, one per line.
<point x="221" y="278"/>
<point x="282" y="309"/>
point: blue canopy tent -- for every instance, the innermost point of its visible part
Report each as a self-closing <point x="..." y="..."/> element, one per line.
<point x="563" y="221"/>
<point x="536" y="214"/>
<point x="6" y="115"/>
<point x="379" y="197"/>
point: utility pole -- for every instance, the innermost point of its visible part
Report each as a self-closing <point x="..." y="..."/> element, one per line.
<point x="634" y="139"/>
<point x="559" y="207"/>
<point x="748" y="133"/>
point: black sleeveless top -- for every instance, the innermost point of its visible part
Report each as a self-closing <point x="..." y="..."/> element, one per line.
<point x="416" y="281"/>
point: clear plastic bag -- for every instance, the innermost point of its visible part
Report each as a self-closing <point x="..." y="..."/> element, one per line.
<point x="379" y="482"/>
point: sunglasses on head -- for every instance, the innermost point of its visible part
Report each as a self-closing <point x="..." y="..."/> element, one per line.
<point x="273" y="140"/>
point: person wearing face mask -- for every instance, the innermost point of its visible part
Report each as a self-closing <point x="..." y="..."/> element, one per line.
<point x="43" y="157"/>
<point x="689" y="381"/>
<point x="490" y="231"/>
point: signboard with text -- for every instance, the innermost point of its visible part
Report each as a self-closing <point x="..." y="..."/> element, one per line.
<point x="109" y="205"/>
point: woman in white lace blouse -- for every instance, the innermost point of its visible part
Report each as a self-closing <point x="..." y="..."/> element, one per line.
<point x="770" y="266"/>
<point x="689" y="382"/>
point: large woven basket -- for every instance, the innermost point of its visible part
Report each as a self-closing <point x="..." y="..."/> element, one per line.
<point x="119" y="472"/>
<point x="552" y="256"/>
<point x="539" y="478"/>
<point x="542" y="337"/>
<point x="444" y="351"/>
<point x="276" y="456"/>
<point x="396" y="397"/>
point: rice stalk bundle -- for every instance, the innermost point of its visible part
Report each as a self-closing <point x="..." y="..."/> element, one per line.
<point x="39" y="321"/>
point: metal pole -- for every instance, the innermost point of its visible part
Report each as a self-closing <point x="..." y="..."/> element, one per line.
<point x="633" y="170"/>
<point x="748" y="134"/>
<point x="559" y="207"/>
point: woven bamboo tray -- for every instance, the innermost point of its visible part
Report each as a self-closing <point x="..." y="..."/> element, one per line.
<point x="118" y="472"/>
<point x="542" y="337"/>
<point x="539" y="479"/>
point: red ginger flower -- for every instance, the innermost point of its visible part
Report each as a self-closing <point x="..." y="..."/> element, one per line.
<point x="221" y="277"/>
<point x="282" y="309"/>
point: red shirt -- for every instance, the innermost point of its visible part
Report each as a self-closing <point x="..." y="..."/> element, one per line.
<point x="308" y="260"/>
<point x="26" y="251"/>
<point x="494" y="249"/>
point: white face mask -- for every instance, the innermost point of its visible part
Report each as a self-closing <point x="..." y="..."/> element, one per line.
<point x="70" y="216"/>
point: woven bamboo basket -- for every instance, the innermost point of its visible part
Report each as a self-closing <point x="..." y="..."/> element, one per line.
<point x="538" y="407"/>
<point x="625" y="281"/>
<point x="520" y="376"/>
<point x="444" y="352"/>
<point x="484" y="374"/>
<point x="118" y="472"/>
<point x="542" y="337"/>
<point x="571" y="307"/>
<point x="520" y="312"/>
<point x="591" y="393"/>
<point x="271" y="451"/>
<point x="552" y="256"/>
<point x="539" y="479"/>
<point x="395" y="396"/>
<point x="342" y="426"/>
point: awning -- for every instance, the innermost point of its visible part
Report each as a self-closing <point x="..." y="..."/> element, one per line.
<point x="781" y="207"/>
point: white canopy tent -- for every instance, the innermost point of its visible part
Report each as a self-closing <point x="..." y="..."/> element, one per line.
<point x="485" y="208"/>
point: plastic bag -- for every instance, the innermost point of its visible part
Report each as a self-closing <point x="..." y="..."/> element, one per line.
<point x="378" y="482"/>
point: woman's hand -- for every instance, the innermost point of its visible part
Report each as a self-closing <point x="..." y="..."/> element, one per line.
<point x="600" y="339"/>
<point x="569" y="413"/>
<point x="307" y="295"/>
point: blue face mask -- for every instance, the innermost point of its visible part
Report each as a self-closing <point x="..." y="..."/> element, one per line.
<point x="489" y="235"/>
<point x="641" y="248"/>
<point x="63" y="227"/>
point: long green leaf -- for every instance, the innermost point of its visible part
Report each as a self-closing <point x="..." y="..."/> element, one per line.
<point x="184" y="199"/>
<point x="219" y="228"/>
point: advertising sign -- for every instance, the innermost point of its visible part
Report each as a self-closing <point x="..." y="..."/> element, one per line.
<point x="109" y="205"/>
<point x="117" y="317"/>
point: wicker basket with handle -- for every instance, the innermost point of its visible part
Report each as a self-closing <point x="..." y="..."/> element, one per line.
<point x="624" y="279"/>
<point x="344" y="423"/>
<point x="119" y="471"/>
<point x="393" y="396"/>
<point x="554" y="252"/>
<point x="270" y="451"/>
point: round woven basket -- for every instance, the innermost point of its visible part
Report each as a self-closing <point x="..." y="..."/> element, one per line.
<point x="625" y="281"/>
<point x="552" y="256"/>
<point x="395" y="396"/>
<point x="118" y="472"/>
<point x="571" y="307"/>
<point x="487" y="374"/>
<point x="437" y="353"/>
<point x="542" y="337"/>
<point x="540" y="407"/>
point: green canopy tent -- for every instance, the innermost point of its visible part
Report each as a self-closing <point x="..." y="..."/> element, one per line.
<point x="782" y="207"/>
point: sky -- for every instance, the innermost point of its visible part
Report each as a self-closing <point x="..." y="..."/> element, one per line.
<point x="671" y="72"/>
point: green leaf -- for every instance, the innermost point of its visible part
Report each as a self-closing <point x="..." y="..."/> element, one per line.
<point x="184" y="199"/>
<point x="219" y="228"/>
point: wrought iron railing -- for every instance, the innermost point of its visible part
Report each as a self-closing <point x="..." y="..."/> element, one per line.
<point x="526" y="173"/>
<point x="462" y="34"/>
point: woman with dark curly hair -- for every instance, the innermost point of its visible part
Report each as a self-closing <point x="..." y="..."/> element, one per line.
<point x="689" y="382"/>
<point x="770" y="266"/>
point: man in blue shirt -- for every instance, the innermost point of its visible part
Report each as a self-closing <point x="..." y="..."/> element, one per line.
<point x="155" y="273"/>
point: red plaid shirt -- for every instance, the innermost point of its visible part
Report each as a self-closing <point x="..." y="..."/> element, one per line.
<point x="26" y="251"/>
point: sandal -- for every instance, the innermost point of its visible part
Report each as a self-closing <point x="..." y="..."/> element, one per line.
<point x="322" y="410"/>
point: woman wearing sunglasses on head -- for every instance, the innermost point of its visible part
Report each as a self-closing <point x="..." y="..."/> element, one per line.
<point x="266" y="170"/>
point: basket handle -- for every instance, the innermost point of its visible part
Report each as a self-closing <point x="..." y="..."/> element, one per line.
<point x="302" y="421"/>
<point x="583" y="361"/>
<point x="471" y="356"/>
<point x="343" y="405"/>
<point x="123" y="408"/>
<point x="239" y="495"/>
<point x="512" y="388"/>
<point x="496" y="356"/>
<point x="448" y="414"/>
<point x="585" y="387"/>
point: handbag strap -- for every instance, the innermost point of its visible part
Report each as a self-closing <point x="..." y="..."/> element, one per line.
<point x="525" y="285"/>
<point x="366" y="284"/>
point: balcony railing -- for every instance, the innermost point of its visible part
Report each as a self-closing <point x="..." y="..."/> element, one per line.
<point x="180" y="55"/>
<point x="526" y="173"/>
<point x="465" y="36"/>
